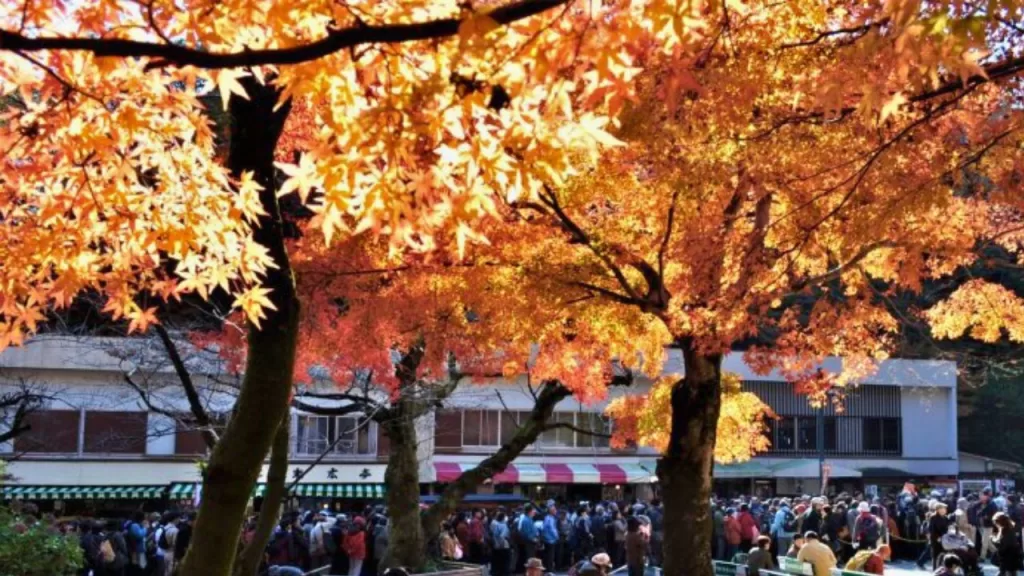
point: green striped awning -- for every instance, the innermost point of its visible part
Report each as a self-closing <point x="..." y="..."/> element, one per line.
<point x="148" y="492"/>
<point x="184" y="491"/>
<point x="357" y="491"/>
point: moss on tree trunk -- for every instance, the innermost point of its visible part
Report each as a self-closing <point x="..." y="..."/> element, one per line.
<point x="248" y="563"/>
<point x="235" y="463"/>
<point x="684" y="472"/>
<point x="406" y="547"/>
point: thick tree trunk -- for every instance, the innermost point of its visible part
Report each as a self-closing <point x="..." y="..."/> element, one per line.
<point x="685" y="470"/>
<point x="407" y="546"/>
<point x="248" y="563"/>
<point x="262" y="402"/>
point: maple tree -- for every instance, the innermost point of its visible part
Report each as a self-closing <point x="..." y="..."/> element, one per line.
<point x="427" y="113"/>
<point x="774" y="150"/>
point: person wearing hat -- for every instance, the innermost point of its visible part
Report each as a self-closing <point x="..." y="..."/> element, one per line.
<point x="603" y="562"/>
<point x="867" y="528"/>
<point x="535" y="567"/>
<point x="938" y="526"/>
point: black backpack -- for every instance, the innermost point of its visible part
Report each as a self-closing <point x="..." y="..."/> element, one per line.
<point x="790" y="523"/>
<point x="164" y="543"/>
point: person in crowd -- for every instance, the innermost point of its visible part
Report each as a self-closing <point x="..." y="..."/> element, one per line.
<point x="812" y="518"/>
<point x="535" y="567"/>
<point x="870" y="561"/>
<point x="867" y="528"/>
<point x="938" y="526"/>
<point x="549" y="536"/>
<point x="748" y="527"/>
<point x="501" y="545"/>
<point x="449" y="545"/>
<point x="733" y="537"/>
<point x="718" y="530"/>
<point x="477" y="529"/>
<point x="603" y="562"/>
<point x="961" y="519"/>
<point x="636" y="548"/>
<point x="135" y="539"/>
<point x="760" y="557"/>
<point x="984" y="510"/>
<point x="817" y="554"/>
<point x="582" y="535"/>
<point x="617" y="538"/>
<point x="1007" y="545"/>
<point x="951" y="566"/>
<point x="381" y="541"/>
<point x="783" y="526"/>
<point x="657" y="515"/>
<point x="794" y="548"/>
<point x="355" y="546"/>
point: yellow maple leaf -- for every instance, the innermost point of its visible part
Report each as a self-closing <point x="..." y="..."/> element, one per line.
<point x="253" y="302"/>
<point x="228" y="84"/>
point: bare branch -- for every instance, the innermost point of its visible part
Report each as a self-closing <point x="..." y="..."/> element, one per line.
<point x="335" y="41"/>
<point x="194" y="402"/>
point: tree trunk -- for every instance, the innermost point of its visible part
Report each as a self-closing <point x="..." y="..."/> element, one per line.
<point x="684" y="472"/>
<point x="407" y="546"/>
<point x="262" y="402"/>
<point x="248" y="563"/>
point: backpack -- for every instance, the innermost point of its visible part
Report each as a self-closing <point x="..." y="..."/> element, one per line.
<point x="164" y="543"/>
<point x="867" y="529"/>
<point x="859" y="560"/>
<point x="789" y="524"/>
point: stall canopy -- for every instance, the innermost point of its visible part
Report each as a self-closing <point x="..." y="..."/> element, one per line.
<point x="749" y="469"/>
<point x="185" y="490"/>
<point x="811" y="469"/>
<point x="556" y="473"/>
<point x="14" y="492"/>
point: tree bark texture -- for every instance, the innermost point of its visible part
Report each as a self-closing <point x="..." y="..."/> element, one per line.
<point x="248" y="564"/>
<point x="235" y="463"/>
<point x="685" y="470"/>
<point x="407" y="546"/>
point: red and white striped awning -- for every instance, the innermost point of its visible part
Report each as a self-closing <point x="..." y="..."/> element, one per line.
<point x="556" y="473"/>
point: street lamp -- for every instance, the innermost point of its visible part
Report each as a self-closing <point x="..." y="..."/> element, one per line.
<point x="822" y="467"/>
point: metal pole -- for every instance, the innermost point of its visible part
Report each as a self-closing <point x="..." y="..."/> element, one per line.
<point x="821" y="448"/>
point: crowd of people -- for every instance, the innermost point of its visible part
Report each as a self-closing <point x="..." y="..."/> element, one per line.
<point x="861" y="534"/>
<point x="942" y="532"/>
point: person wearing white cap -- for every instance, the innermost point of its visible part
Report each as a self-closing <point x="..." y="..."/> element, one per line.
<point x="867" y="528"/>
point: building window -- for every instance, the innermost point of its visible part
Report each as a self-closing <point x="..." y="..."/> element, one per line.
<point x="807" y="433"/>
<point x="594" y="422"/>
<point x="341" y="435"/>
<point x="115" y="432"/>
<point x="785" y="433"/>
<point x="481" y="428"/>
<point x="881" y="435"/>
<point x="448" y="429"/>
<point x="50" y="431"/>
<point x="831" y="434"/>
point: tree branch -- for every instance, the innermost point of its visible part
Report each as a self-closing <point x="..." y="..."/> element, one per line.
<point x="576" y="429"/>
<point x="334" y="41"/>
<point x="195" y="404"/>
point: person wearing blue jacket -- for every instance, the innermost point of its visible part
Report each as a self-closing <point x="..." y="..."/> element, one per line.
<point x="549" y="534"/>
<point x="527" y="532"/>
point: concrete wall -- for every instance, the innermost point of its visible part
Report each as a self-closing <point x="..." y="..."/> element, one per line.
<point x="929" y="422"/>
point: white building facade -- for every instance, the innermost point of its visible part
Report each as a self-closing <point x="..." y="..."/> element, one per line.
<point x="95" y="438"/>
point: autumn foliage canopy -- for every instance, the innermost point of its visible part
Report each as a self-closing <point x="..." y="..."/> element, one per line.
<point x="565" y="185"/>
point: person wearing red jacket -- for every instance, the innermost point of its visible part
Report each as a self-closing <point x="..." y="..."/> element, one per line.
<point x="748" y="528"/>
<point x="355" y="546"/>
<point x="732" y="534"/>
